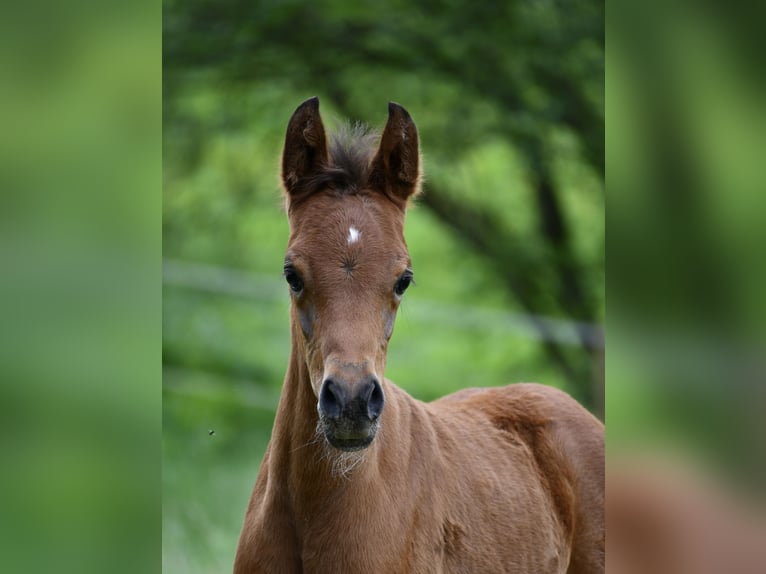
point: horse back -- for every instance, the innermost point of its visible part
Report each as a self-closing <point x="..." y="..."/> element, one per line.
<point x="567" y="444"/>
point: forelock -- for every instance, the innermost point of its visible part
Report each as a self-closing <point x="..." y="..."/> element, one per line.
<point x="351" y="151"/>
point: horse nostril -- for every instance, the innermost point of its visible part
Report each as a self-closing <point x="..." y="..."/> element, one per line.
<point x="375" y="402"/>
<point x="329" y="400"/>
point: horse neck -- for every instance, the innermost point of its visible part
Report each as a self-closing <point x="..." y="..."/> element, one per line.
<point x="296" y="419"/>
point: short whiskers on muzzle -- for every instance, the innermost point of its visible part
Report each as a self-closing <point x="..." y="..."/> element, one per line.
<point x="342" y="463"/>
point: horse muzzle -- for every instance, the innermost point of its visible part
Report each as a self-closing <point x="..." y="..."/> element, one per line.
<point x="348" y="413"/>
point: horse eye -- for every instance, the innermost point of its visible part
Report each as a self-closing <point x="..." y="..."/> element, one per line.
<point x="294" y="280"/>
<point x="402" y="283"/>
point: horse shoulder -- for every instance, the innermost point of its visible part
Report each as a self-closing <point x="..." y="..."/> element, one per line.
<point x="567" y="443"/>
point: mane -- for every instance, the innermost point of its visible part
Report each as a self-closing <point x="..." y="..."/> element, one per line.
<point x="351" y="150"/>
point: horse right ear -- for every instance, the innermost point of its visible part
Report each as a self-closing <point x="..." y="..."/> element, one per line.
<point x="305" y="147"/>
<point x="395" y="169"/>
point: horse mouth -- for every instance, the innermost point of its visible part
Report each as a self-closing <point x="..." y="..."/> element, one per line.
<point x="350" y="445"/>
<point x="349" y="437"/>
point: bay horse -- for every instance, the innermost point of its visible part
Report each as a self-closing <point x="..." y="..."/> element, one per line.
<point x="359" y="476"/>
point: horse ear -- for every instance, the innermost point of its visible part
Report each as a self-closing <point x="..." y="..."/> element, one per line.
<point x="305" y="146"/>
<point x="396" y="167"/>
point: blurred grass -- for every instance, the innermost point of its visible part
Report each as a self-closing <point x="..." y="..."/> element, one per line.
<point x="207" y="478"/>
<point x="80" y="222"/>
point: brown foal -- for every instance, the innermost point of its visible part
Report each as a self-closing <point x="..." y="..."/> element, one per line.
<point x="361" y="477"/>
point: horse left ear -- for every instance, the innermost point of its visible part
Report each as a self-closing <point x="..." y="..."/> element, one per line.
<point x="305" y="150"/>
<point x="396" y="167"/>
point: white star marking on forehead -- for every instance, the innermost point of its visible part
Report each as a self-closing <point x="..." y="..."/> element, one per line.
<point x="353" y="235"/>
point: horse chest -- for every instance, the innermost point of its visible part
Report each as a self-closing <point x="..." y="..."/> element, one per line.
<point x="487" y="529"/>
<point x="428" y="540"/>
<point x="372" y="549"/>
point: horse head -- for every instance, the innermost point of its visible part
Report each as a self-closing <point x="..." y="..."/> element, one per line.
<point x="347" y="263"/>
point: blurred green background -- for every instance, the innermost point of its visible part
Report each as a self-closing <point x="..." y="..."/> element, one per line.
<point x="507" y="240"/>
